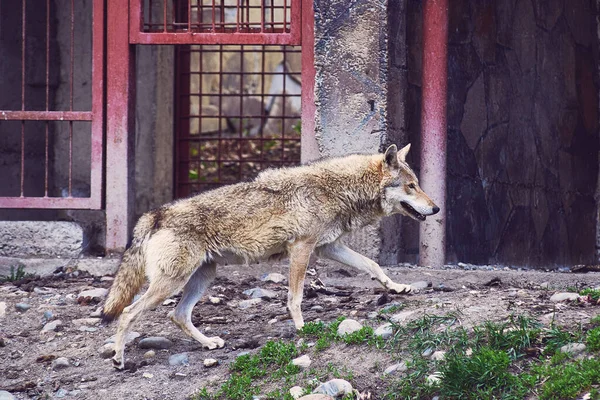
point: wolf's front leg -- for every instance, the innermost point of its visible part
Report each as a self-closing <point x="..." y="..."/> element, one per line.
<point x="299" y="253"/>
<point x="337" y="251"/>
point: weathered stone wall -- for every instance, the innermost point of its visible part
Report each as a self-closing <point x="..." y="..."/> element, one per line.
<point x="522" y="129"/>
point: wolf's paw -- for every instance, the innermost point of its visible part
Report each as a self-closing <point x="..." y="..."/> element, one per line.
<point x="214" y="342"/>
<point x="399" y="288"/>
<point x="118" y="363"/>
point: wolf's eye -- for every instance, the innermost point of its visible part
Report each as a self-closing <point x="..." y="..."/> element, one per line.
<point x="412" y="186"/>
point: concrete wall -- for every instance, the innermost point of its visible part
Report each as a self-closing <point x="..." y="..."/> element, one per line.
<point x="522" y="129"/>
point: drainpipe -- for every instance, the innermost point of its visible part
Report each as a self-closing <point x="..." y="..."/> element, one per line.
<point x="432" y="235"/>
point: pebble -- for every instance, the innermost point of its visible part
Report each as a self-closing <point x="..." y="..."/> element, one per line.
<point x="155" y="342"/>
<point x="40" y="290"/>
<point x="373" y="315"/>
<point x="334" y="388"/>
<point x="427" y="352"/>
<point x="544" y="285"/>
<point x="401" y="316"/>
<point x="148" y="375"/>
<point x="316" y="397"/>
<point x="61" y="363"/>
<point x="303" y="362"/>
<point x="149" y="354"/>
<point x="438" y="355"/>
<point x="4" y="395"/>
<point x="60" y="393"/>
<point x="564" y="296"/>
<point x="107" y="279"/>
<point x="258" y="293"/>
<point x="2" y="309"/>
<point x="573" y="348"/>
<point x="22" y="307"/>
<point x="215" y="300"/>
<point x="396" y="368"/>
<point x="296" y="392"/>
<point x="210" y="362"/>
<point x="93" y="294"/>
<point x="244" y="304"/>
<point x="48" y="315"/>
<point x="107" y="350"/>
<point x="169" y="302"/>
<point x="52" y="326"/>
<point x="317" y="308"/>
<point x="179" y="359"/>
<point x="349" y="326"/>
<point x="273" y="277"/>
<point x="131" y="336"/>
<point x="87" y="321"/>
<point x="420" y="285"/>
<point x="385" y="331"/>
<point x="97" y="313"/>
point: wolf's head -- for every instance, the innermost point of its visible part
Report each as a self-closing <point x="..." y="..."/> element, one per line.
<point x="401" y="191"/>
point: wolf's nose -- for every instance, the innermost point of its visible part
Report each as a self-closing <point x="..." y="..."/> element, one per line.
<point x="436" y="209"/>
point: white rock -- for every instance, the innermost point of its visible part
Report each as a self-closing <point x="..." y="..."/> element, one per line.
<point x="147" y="375"/>
<point x="149" y="354"/>
<point x="60" y="363"/>
<point x="438" y="355"/>
<point x="2" y="309"/>
<point x="573" y="348"/>
<point x="402" y="316"/>
<point x="302" y="362"/>
<point x="349" y="326"/>
<point x="51" y="326"/>
<point x="4" y="395"/>
<point x="273" y="277"/>
<point x="215" y="300"/>
<point x="385" y="331"/>
<point x="169" y="302"/>
<point x="249" y="303"/>
<point x="420" y="285"/>
<point x="433" y="379"/>
<point x="334" y="388"/>
<point x="107" y="350"/>
<point x="396" y="368"/>
<point x="296" y="392"/>
<point x="94" y="294"/>
<point x="260" y="293"/>
<point x="87" y="321"/>
<point x="210" y="362"/>
<point x="564" y="296"/>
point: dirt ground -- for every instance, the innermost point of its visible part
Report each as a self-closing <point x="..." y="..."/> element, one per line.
<point x="27" y="354"/>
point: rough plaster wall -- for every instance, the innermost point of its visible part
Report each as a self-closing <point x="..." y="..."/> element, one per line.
<point x="522" y="129"/>
<point x="350" y="86"/>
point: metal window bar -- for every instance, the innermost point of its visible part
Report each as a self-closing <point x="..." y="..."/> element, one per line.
<point x="238" y="112"/>
<point x="40" y="121"/>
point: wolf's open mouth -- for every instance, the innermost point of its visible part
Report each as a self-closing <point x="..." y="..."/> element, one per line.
<point x="412" y="211"/>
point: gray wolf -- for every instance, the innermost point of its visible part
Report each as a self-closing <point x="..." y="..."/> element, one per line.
<point x="288" y="212"/>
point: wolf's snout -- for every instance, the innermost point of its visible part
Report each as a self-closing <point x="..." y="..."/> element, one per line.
<point x="435" y="209"/>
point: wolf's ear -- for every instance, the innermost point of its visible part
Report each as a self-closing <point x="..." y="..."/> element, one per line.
<point x="391" y="156"/>
<point x="403" y="152"/>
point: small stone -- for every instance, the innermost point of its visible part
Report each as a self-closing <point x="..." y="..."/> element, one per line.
<point x="296" y="392"/>
<point x="273" y="277"/>
<point x="396" y="368"/>
<point x="2" y="309"/>
<point x="385" y="331"/>
<point x="544" y="285"/>
<point x="131" y="336"/>
<point x="155" y="342"/>
<point x="148" y="375"/>
<point x="42" y="291"/>
<point x="438" y="355"/>
<point x="348" y="326"/>
<point x="317" y="308"/>
<point x="433" y="379"/>
<point x="60" y="363"/>
<point x="60" y="393"/>
<point x="215" y="300"/>
<point x="97" y="313"/>
<point x="52" y="326"/>
<point x="107" y="279"/>
<point x="22" y="307"/>
<point x="244" y="304"/>
<point x="334" y="388"/>
<point x="402" y="316"/>
<point x="573" y="348"/>
<point x="95" y="295"/>
<point x="565" y="296"/>
<point x="48" y="315"/>
<point x="87" y="321"/>
<point x="179" y="359"/>
<point x="303" y="362"/>
<point x="373" y="315"/>
<point x="107" y="350"/>
<point x="149" y="354"/>
<point x="4" y="395"/>
<point x="259" y="293"/>
<point x="420" y="285"/>
<point x="210" y="362"/>
<point x="169" y="302"/>
<point x="427" y="352"/>
<point x="316" y="396"/>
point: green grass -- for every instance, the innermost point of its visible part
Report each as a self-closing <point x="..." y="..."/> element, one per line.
<point x="593" y="339"/>
<point x="568" y="380"/>
<point x="593" y="293"/>
<point x="16" y="274"/>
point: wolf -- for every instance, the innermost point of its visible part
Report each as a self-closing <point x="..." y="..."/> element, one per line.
<point x="288" y="212"/>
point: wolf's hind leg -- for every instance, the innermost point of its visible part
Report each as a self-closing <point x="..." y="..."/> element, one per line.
<point x="192" y="292"/>
<point x="337" y="251"/>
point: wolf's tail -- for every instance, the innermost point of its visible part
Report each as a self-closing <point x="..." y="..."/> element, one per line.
<point x="131" y="275"/>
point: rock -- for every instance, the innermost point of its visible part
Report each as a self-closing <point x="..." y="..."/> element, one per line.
<point x="244" y="304"/>
<point x="573" y="348"/>
<point x="107" y="279"/>
<point x="179" y="359"/>
<point x="296" y="392"/>
<point x="39" y="290"/>
<point x="438" y="355"/>
<point x="210" y="362"/>
<point x="273" y="277"/>
<point x="259" y="293"/>
<point x="4" y="395"/>
<point x="92" y="295"/>
<point x="544" y="285"/>
<point x="61" y="363"/>
<point x="334" y="388"/>
<point x="427" y="352"/>
<point x="303" y="362"/>
<point x="107" y="350"/>
<point x="52" y="326"/>
<point x="317" y="308"/>
<point x="215" y="300"/>
<point x="385" y="331"/>
<point x="169" y="302"/>
<point x="97" y="313"/>
<point x="402" y="316"/>
<point x="87" y="321"/>
<point x="433" y="379"/>
<point x="348" y="326"/>
<point x="564" y="296"/>
<point x="420" y="285"/>
<point x="150" y="354"/>
<point x="131" y="336"/>
<point x="48" y="315"/>
<point x="396" y="368"/>
<point x="148" y="375"/>
<point x="2" y="309"/>
<point x="155" y="342"/>
<point x="316" y="397"/>
<point x="22" y="307"/>
<point x="60" y="393"/>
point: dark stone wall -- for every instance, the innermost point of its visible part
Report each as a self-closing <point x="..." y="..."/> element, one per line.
<point x="522" y="130"/>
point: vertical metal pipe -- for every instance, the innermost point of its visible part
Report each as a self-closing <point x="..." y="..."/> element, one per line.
<point x="433" y="129"/>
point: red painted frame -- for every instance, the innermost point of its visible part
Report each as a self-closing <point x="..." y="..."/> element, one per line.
<point x="95" y="116"/>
